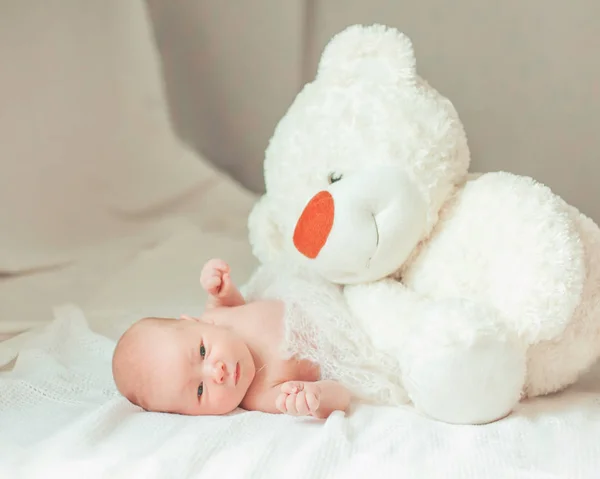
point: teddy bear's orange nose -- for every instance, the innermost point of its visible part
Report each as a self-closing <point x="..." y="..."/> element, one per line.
<point x="314" y="225"/>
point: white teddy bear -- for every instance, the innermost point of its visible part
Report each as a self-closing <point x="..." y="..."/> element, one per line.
<point x="487" y="289"/>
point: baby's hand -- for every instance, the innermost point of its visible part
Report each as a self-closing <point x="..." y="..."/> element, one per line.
<point x="299" y="398"/>
<point x="215" y="278"/>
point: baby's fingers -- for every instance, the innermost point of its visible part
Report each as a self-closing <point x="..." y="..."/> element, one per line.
<point x="219" y="265"/>
<point x="290" y="405"/>
<point x="212" y="284"/>
<point x="313" y="402"/>
<point x="225" y="285"/>
<point x="302" y="408"/>
<point x="280" y="403"/>
<point x="292" y="387"/>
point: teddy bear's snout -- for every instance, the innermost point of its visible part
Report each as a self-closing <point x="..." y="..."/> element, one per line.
<point x="314" y="225"/>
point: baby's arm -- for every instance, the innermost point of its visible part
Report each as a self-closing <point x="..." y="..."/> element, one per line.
<point x="318" y="399"/>
<point x="216" y="281"/>
<point x="298" y="398"/>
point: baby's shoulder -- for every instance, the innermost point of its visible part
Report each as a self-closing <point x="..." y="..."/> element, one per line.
<point x="266" y="309"/>
<point x="263" y="324"/>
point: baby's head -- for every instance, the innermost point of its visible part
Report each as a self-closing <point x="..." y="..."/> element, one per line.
<point x="182" y="366"/>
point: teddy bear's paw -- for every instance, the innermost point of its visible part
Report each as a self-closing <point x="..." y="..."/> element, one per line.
<point x="461" y="366"/>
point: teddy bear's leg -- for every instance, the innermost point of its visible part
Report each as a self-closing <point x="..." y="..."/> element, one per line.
<point x="460" y="365"/>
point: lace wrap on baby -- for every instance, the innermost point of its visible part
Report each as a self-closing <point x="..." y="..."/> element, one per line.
<point x="319" y="327"/>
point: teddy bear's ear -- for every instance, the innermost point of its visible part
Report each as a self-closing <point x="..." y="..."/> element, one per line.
<point x="377" y="52"/>
<point x="265" y="237"/>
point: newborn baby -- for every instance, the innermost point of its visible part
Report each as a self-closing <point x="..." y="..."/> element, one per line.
<point x="228" y="357"/>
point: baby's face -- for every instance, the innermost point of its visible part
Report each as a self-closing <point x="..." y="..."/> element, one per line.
<point x="197" y="369"/>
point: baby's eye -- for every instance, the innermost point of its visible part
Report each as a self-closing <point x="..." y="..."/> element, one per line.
<point x="202" y="351"/>
<point x="200" y="389"/>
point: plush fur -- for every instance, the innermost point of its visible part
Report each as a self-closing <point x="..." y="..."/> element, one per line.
<point x="487" y="288"/>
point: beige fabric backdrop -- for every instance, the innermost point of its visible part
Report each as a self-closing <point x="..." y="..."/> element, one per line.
<point x="87" y="151"/>
<point x="523" y="75"/>
<point x="100" y="202"/>
<point x="231" y="70"/>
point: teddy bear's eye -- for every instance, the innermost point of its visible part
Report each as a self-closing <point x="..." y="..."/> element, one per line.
<point x="333" y="177"/>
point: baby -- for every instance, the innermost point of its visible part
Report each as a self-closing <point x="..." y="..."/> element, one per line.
<point x="228" y="357"/>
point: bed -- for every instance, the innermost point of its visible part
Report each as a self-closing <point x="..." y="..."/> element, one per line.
<point x="163" y="213"/>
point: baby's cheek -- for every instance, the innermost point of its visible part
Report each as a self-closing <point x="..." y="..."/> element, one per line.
<point x="228" y="398"/>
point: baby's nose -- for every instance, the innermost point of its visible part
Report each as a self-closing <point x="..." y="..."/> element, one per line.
<point x="219" y="372"/>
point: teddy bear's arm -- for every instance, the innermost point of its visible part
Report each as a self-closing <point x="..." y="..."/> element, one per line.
<point x="385" y="309"/>
<point x="511" y="243"/>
